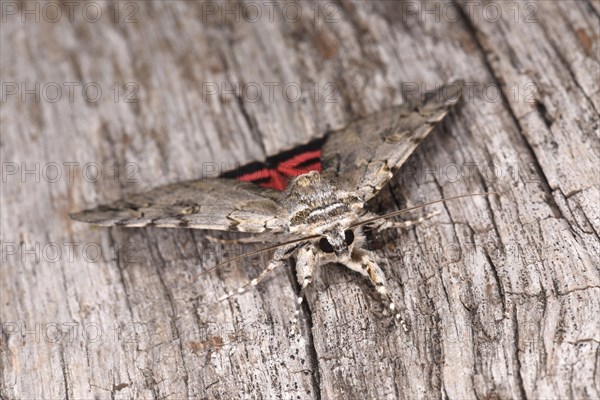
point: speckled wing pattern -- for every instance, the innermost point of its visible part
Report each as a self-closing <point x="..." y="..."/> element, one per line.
<point x="202" y="204"/>
<point x="366" y="153"/>
<point x="361" y="157"/>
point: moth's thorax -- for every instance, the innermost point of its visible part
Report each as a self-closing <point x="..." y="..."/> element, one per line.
<point x="317" y="205"/>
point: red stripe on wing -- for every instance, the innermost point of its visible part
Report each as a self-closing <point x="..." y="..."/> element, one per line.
<point x="296" y="165"/>
<point x="276" y="171"/>
<point x="267" y="178"/>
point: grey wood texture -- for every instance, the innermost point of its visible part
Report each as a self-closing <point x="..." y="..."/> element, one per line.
<point x="502" y="294"/>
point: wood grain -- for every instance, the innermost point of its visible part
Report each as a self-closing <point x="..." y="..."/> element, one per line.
<point x="502" y="295"/>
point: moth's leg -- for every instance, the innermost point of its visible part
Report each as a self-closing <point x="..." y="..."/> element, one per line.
<point x="281" y="254"/>
<point x="305" y="265"/>
<point x="306" y="259"/>
<point x="362" y="262"/>
<point x="383" y="224"/>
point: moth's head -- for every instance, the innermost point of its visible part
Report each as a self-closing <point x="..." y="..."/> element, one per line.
<point x="337" y="241"/>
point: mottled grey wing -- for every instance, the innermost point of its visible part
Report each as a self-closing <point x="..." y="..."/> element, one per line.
<point x="219" y="204"/>
<point x="365" y="154"/>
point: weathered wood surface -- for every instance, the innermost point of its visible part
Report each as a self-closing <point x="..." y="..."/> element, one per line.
<point x="502" y="295"/>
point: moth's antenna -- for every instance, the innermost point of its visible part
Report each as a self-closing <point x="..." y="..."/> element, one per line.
<point x="255" y="252"/>
<point x="394" y="213"/>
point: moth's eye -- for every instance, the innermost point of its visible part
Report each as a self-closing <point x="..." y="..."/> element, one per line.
<point x="349" y="236"/>
<point x="325" y="246"/>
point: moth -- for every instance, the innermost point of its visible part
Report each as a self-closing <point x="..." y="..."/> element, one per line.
<point x="310" y="202"/>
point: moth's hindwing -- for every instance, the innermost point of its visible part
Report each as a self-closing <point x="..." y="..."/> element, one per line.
<point x="366" y="153"/>
<point x="202" y="204"/>
<point x="277" y="170"/>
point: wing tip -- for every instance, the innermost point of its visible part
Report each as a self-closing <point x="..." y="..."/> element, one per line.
<point x="457" y="86"/>
<point x="90" y="217"/>
<point x="104" y="216"/>
<point x="448" y="94"/>
<point x="442" y="98"/>
<point x="79" y="216"/>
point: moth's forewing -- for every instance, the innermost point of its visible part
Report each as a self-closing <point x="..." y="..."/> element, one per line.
<point x="202" y="204"/>
<point x="366" y="153"/>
